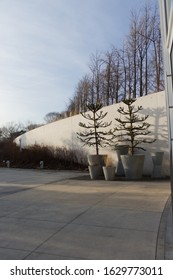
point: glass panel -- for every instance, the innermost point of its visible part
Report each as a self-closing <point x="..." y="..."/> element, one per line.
<point x="170" y="79"/>
<point x="165" y="16"/>
<point x="171" y="159"/>
<point x="168" y="4"/>
<point x="168" y="7"/>
<point x="171" y="121"/>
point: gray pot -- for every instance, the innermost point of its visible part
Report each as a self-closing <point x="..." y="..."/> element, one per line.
<point x="109" y="173"/>
<point x="97" y="159"/>
<point x="157" y="158"/>
<point x="121" y="150"/>
<point x="95" y="171"/>
<point x="133" y="166"/>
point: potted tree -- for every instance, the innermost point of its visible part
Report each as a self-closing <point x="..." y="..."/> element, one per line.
<point x="132" y="129"/>
<point x="95" y="134"/>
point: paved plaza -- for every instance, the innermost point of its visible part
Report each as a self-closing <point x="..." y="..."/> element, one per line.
<point x="58" y="215"/>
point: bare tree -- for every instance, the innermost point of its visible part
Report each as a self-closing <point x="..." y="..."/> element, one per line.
<point x="135" y="70"/>
<point x="30" y="125"/>
<point x="82" y="94"/>
<point x="52" y="117"/>
<point x="132" y="45"/>
<point x="111" y="77"/>
<point x="157" y="52"/>
<point x="11" y="131"/>
<point x="96" y="66"/>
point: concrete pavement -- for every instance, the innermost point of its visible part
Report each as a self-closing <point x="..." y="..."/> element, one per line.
<point x="65" y="215"/>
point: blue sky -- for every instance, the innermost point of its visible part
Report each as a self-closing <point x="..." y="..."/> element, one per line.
<point x="45" y="49"/>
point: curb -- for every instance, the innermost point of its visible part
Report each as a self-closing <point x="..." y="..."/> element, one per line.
<point x="161" y="236"/>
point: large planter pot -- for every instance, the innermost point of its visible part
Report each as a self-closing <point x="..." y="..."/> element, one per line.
<point x="95" y="171"/>
<point x="109" y="173"/>
<point x="97" y="159"/>
<point x="157" y="158"/>
<point x="133" y="166"/>
<point x="121" y="150"/>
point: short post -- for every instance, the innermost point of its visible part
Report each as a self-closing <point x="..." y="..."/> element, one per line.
<point x="8" y="163"/>
<point x="20" y="144"/>
<point x="41" y="164"/>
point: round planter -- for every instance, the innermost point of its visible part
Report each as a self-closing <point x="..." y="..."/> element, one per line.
<point x="133" y="166"/>
<point x="157" y="158"/>
<point x="95" y="171"/>
<point x="97" y="159"/>
<point x="109" y="173"/>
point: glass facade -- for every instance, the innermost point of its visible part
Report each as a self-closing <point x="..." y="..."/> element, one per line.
<point x="168" y="8"/>
<point x="166" y="18"/>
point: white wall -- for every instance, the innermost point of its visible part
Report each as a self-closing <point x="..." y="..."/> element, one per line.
<point x="62" y="133"/>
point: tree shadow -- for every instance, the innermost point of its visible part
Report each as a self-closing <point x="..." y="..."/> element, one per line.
<point x="159" y="131"/>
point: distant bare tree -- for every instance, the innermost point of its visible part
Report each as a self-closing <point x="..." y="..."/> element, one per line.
<point x="30" y="126"/>
<point x="52" y="117"/>
<point x="157" y="59"/>
<point x="96" y="65"/>
<point x="111" y="77"/>
<point x="11" y="131"/>
<point x="134" y="70"/>
<point x="132" y="51"/>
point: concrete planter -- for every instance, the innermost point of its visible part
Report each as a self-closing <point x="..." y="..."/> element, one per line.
<point x="95" y="171"/>
<point x="109" y="173"/>
<point x="97" y="159"/>
<point x="96" y="162"/>
<point x="133" y="166"/>
<point x="120" y="150"/>
<point x="157" y="158"/>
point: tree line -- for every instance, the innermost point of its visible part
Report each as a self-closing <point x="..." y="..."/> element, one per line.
<point x="12" y="130"/>
<point x="132" y="71"/>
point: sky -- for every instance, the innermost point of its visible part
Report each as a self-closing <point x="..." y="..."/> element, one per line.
<point x="45" y="48"/>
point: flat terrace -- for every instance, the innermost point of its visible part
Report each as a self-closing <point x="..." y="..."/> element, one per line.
<point x="58" y="215"/>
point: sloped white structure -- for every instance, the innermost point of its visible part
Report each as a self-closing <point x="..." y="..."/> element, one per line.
<point x="62" y="133"/>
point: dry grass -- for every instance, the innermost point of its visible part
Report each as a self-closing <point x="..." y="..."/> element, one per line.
<point x="30" y="157"/>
